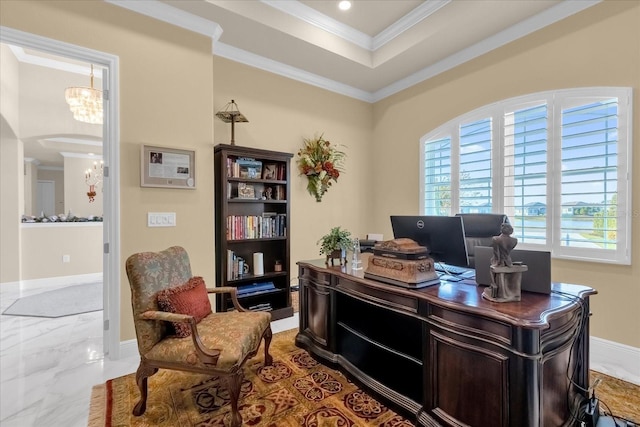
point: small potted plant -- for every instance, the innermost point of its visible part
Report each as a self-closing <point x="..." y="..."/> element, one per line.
<point x="335" y="245"/>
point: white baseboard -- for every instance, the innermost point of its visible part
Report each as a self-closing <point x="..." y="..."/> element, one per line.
<point x="128" y="349"/>
<point x="55" y="281"/>
<point x="615" y="359"/>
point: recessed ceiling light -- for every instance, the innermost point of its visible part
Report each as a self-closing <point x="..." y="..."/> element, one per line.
<point x="344" y="5"/>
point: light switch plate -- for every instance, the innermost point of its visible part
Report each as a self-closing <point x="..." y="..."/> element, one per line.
<point x="161" y="219"/>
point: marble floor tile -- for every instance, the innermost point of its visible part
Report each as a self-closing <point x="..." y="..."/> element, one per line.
<point x="48" y="366"/>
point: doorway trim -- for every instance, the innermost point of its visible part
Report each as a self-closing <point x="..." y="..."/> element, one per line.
<point x="111" y="182"/>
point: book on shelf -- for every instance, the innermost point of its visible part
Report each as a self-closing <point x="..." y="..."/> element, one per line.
<point x="261" y="307"/>
<point x="267" y="225"/>
<point x="274" y="171"/>
<point x="231" y="256"/>
<point x="236" y="266"/>
<point x="279" y="193"/>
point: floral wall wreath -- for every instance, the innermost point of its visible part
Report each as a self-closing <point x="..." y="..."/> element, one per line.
<point x="321" y="163"/>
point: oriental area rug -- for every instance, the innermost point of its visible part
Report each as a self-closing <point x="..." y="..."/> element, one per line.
<point x="295" y="391"/>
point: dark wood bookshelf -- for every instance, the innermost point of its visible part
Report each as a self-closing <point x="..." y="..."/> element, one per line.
<point x="247" y="221"/>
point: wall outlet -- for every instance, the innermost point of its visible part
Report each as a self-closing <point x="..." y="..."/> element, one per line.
<point x="66" y="258"/>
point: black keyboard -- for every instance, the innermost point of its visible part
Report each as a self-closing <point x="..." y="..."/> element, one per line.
<point x="453" y="270"/>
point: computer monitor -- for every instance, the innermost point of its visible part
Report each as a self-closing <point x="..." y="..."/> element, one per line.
<point x="443" y="236"/>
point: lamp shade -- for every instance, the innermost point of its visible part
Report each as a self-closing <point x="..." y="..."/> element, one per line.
<point x="231" y="114"/>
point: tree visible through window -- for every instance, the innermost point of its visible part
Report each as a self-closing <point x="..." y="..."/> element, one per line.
<point x="556" y="163"/>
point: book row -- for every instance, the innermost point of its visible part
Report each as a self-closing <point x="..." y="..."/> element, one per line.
<point x="267" y="225"/>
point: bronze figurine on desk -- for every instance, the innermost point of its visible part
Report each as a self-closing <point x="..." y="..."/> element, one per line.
<point x="506" y="277"/>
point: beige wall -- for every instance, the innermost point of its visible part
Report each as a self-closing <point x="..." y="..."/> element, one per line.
<point x="11" y="165"/>
<point x="9" y="70"/>
<point x="30" y="187"/>
<point x="282" y="112"/>
<point x="44" y="111"/>
<point x="174" y="106"/>
<point x="11" y="204"/>
<point x="44" y="245"/>
<point x="166" y="98"/>
<point x="598" y="47"/>
<point x="75" y="188"/>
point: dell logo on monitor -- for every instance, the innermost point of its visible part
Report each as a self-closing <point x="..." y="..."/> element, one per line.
<point x="420" y="224"/>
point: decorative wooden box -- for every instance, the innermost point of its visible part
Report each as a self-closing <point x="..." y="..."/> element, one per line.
<point x="402" y="262"/>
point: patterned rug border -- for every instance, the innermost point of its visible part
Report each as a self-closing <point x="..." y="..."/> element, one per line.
<point x="98" y="405"/>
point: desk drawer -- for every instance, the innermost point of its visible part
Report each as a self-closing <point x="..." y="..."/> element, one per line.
<point x="314" y="276"/>
<point x="378" y="296"/>
<point x="468" y="323"/>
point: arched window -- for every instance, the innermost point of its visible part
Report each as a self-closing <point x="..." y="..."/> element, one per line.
<point x="557" y="163"/>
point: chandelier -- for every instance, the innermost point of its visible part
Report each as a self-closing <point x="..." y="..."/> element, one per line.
<point x="93" y="177"/>
<point x="85" y="103"/>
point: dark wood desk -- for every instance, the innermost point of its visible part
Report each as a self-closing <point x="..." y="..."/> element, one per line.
<point x="445" y="355"/>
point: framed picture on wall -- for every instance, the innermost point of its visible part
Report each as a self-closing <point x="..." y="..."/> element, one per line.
<point x="167" y="167"/>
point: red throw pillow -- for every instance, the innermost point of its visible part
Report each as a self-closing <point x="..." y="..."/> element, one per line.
<point x="190" y="298"/>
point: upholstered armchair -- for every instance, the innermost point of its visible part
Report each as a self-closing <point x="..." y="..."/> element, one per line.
<point x="176" y="329"/>
<point x="479" y="229"/>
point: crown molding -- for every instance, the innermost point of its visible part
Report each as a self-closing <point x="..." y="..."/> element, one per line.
<point x="51" y="168"/>
<point x="32" y="160"/>
<point x="421" y="12"/>
<point x="41" y="61"/>
<point x="313" y="17"/>
<point x="171" y="15"/>
<point x="70" y="140"/>
<point x="528" y="26"/>
<point x="242" y="56"/>
<point x="81" y="155"/>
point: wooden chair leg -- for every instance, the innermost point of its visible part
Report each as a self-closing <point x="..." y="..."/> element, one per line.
<point x="234" y="382"/>
<point x="142" y="374"/>
<point x="268" y="360"/>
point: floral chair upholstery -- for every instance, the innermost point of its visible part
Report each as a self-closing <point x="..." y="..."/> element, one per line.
<point x="218" y="345"/>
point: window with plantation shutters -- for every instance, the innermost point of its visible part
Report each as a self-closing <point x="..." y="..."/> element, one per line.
<point x="524" y="171"/>
<point x="475" y="166"/>
<point x="437" y="177"/>
<point x="557" y="163"/>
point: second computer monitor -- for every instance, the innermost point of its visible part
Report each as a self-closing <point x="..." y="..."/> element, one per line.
<point x="443" y="236"/>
